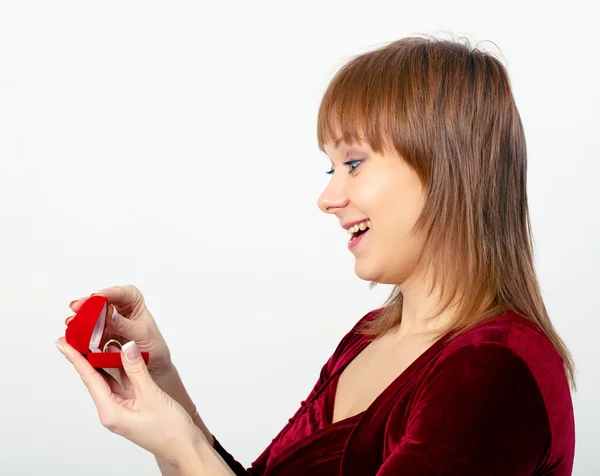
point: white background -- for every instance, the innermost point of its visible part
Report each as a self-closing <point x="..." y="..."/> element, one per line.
<point x="172" y="145"/>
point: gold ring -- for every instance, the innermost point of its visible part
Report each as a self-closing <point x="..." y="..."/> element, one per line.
<point x="112" y="341"/>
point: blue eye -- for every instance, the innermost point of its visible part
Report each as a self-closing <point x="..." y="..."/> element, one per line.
<point x="352" y="164"/>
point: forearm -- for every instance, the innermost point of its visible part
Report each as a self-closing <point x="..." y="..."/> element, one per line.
<point x="170" y="383"/>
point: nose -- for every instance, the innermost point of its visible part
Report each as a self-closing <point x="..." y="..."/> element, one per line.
<point x="333" y="198"/>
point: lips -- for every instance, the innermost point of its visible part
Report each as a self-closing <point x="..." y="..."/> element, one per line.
<point x="348" y="225"/>
<point x="357" y="239"/>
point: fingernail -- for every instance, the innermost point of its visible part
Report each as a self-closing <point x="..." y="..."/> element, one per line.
<point x="113" y="316"/>
<point x="77" y="300"/>
<point x="131" y="351"/>
<point x="60" y="348"/>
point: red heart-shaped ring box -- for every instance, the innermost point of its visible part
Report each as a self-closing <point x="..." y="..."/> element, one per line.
<point x="86" y="333"/>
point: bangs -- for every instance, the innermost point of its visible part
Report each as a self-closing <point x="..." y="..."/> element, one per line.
<point x="366" y="102"/>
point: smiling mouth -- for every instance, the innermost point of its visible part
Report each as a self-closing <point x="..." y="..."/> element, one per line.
<point x="354" y="236"/>
<point x="358" y="230"/>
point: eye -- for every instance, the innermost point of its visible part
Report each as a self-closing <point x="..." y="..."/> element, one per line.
<point x="351" y="164"/>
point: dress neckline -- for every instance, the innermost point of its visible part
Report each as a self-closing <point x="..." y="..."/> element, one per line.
<point x="364" y="341"/>
<point x="329" y="389"/>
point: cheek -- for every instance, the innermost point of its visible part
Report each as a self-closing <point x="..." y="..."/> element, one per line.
<point x="376" y="196"/>
<point x="393" y="198"/>
<point x="396" y="209"/>
<point x="396" y="216"/>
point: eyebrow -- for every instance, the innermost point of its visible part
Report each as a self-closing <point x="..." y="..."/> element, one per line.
<point x="350" y="149"/>
<point x="350" y="152"/>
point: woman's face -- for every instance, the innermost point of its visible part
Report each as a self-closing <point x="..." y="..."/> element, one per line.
<point x="385" y="193"/>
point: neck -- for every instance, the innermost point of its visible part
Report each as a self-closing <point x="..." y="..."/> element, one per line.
<point x="421" y="309"/>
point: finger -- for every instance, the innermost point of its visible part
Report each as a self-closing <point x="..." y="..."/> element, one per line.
<point x="128" y="328"/>
<point x="125" y="382"/>
<point x="125" y="298"/>
<point x="97" y="387"/>
<point x="119" y="392"/>
<point x="112" y="336"/>
<point x="113" y="348"/>
<point x="137" y="371"/>
<point x="77" y="303"/>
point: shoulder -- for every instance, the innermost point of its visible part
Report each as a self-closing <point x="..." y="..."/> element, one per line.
<point x="508" y="340"/>
<point x="507" y="362"/>
<point x="492" y="400"/>
<point x="501" y="352"/>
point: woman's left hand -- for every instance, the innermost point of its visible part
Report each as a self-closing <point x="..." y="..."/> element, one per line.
<point x="138" y="409"/>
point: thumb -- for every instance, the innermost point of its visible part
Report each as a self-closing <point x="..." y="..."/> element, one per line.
<point x="135" y="368"/>
<point x="122" y="326"/>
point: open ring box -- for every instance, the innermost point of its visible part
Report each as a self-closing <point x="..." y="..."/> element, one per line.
<point x="86" y="332"/>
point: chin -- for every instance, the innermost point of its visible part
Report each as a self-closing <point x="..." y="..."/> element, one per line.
<point x="370" y="271"/>
<point x="367" y="271"/>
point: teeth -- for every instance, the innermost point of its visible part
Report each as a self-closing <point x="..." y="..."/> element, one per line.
<point x="360" y="226"/>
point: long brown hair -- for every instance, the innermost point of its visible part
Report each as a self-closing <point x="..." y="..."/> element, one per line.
<point x="448" y="110"/>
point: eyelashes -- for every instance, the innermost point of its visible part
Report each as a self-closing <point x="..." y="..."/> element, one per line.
<point x="351" y="164"/>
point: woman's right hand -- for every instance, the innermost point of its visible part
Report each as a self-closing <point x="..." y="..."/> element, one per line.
<point x="133" y="322"/>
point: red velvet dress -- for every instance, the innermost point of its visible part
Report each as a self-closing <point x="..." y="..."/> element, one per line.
<point x="493" y="401"/>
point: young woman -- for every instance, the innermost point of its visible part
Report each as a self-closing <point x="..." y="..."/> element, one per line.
<point x="461" y="371"/>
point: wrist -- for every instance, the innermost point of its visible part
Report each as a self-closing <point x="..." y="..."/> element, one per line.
<point x="206" y="434"/>
<point x="167" y="374"/>
<point x="169" y="381"/>
<point x="191" y="464"/>
<point x="203" y="460"/>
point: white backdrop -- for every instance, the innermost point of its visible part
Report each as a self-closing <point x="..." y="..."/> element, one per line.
<point x="172" y="145"/>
